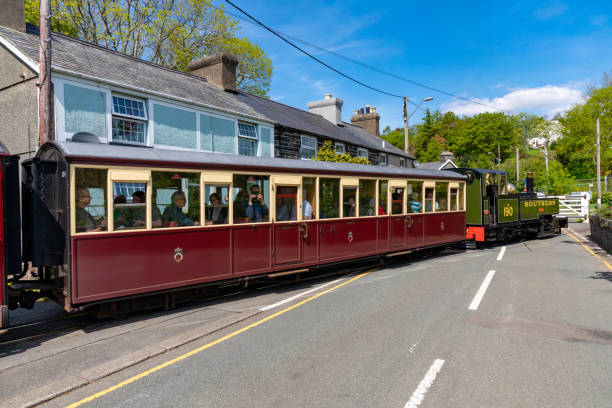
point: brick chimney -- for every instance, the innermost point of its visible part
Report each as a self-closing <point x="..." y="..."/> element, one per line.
<point x="330" y="108"/>
<point x="367" y="119"/>
<point x="218" y="69"/>
<point x="12" y="14"/>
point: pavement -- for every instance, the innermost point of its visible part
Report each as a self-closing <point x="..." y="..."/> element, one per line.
<point x="413" y="311"/>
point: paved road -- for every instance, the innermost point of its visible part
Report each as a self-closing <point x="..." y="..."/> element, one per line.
<point x="427" y="333"/>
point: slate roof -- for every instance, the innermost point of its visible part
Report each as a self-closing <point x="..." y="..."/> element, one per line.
<point x="311" y="123"/>
<point x="82" y="58"/>
<point x="75" y="57"/>
<point x="435" y="165"/>
<point x="135" y="154"/>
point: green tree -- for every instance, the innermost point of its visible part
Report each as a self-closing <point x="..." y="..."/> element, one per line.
<point x="327" y="153"/>
<point x="164" y="32"/>
<point x="395" y="137"/>
<point x="576" y="149"/>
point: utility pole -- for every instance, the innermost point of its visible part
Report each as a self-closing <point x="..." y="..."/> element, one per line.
<point x="498" y="156"/>
<point x="546" y="161"/>
<point x="517" y="167"/>
<point x="406" y="146"/>
<point x="598" y="169"/>
<point x="44" y="75"/>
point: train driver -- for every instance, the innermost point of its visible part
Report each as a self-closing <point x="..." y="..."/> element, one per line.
<point x="174" y="215"/>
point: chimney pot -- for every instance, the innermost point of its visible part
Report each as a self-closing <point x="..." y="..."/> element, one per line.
<point x="328" y="96"/>
<point x="368" y="120"/>
<point x="218" y="69"/>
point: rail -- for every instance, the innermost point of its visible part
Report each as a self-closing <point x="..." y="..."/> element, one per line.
<point x="574" y="207"/>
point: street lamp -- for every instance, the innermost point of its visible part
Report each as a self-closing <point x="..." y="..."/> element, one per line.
<point x="407" y="118"/>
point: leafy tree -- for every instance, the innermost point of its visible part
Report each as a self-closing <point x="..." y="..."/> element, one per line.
<point x="475" y="141"/>
<point x="327" y="153"/>
<point x="433" y="134"/>
<point x="168" y="33"/>
<point x="576" y="149"/>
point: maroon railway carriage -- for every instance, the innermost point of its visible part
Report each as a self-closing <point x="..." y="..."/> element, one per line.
<point x="108" y="222"/>
<point x="10" y="243"/>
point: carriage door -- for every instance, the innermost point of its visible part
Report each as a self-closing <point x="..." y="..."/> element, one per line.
<point x="289" y="231"/>
<point x="397" y="192"/>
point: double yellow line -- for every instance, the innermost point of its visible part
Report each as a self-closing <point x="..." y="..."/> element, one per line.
<point x="589" y="249"/>
<point x="209" y="345"/>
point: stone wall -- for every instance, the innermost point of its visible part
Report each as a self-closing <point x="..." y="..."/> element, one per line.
<point x="601" y="231"/>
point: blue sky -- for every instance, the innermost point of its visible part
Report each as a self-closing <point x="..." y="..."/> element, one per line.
<point x="519" y="56"/>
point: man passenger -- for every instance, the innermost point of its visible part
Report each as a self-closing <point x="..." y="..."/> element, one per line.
<point x="174" y="215"/>
<point x="256" y="211"/>
<point x="85" y="222"/>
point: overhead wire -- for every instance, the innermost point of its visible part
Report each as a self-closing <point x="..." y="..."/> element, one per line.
<point x="312" y="56"/>
<point x="282" y="36"/>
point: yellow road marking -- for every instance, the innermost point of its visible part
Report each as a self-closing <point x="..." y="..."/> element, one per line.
<point x="209" y="345"/>
<point x="589" y="249"/>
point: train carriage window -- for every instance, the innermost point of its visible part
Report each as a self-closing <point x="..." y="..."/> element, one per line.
<point x="461" y="196"/>
<point x="397" y="200"/>
<point x="286" y="203"/>
<point x="129" y="206"/>
<point x="251" y="198"/>
<point x="367" y="197"/>
<point x="90" y="200"/>
<point x="349" y="203"/>
<point x="454" y="198"/>
<point x="329" y="198"/>
<point x="216" y="207"/>
<point x="429" y="201"/>
<point x="176" y="199"/>
<point x="309" y="197"/>
<point x="382" y="197"/>
<point x="441" y="196"/>
<point x="415" y="197"/>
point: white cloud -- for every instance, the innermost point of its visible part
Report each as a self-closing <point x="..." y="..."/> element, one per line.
<point x="546" y="100"/>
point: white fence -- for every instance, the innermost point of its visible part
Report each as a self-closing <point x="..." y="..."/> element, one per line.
<point x="574" y="207"/>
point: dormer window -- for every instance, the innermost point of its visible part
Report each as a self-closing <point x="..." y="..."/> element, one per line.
<point x="247" y="139"/>
<point x="129" y="120"/>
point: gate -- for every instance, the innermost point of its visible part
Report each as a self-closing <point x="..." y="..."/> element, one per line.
<point x="574" y="207"/>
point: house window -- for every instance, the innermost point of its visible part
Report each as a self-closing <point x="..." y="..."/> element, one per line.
<point x="383" y="159"/>
<point x="362" y="152"/>
<point x="129" y="120"/>
<point x="402" y="162"/>
<point x="247" y="140"/>
<point x="309" y="147"/>
<point x="339" y="148"/>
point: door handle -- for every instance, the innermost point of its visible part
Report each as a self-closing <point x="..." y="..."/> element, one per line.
<point x="304" y="230"/>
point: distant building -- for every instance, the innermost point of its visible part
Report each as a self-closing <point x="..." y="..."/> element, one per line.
<point x="445" y="163"/>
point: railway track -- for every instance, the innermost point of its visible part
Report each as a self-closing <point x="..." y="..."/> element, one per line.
<point x="31" y="327"/>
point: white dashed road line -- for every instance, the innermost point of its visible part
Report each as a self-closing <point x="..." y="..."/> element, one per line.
<point x="299" y="295"/>
<point x="419" y="393"/>
<point x="481" y="291"/>
<point x="501" y="253"/>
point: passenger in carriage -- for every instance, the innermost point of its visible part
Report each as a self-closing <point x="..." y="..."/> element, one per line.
<point x="414" y="205"/>
<point x="284" y="213"/>
<point x="349" y="207"/>
<point x="85" y="222"/>
<point x="174" y="215"/>
<point x="256" y="211"/>
<point x="120" y="213"/>
<point x="138" y="217"/>
<point x="306" y="210"/>
<point x="216" y="213"/>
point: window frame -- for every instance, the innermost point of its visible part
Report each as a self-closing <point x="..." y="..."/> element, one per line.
<point x="402" y="162"/>
<point x="286" y="181"/>
<point x="381" y="161"/>
<point x="337" y="145"/>
<point x="132" y="99"/>
<point x="130" y="118"/>
<point x="306" y="137"/>
<point x="361" y="151"/>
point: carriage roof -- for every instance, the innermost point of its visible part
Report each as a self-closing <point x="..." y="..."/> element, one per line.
<point x="146" y="156"/>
